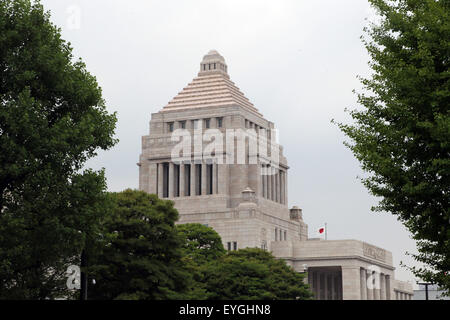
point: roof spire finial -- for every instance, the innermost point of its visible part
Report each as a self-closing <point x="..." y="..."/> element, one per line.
<point x="213" y="62"/>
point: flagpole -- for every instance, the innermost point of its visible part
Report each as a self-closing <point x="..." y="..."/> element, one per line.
<point x="325" y="231"/>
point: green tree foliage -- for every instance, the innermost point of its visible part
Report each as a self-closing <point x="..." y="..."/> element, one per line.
<point x="201" y="245"/>
<point x="52" y="119"/>
<point x="252" y="274"/>
<point x="401" y="136"/>
<point x="142" y="254"/>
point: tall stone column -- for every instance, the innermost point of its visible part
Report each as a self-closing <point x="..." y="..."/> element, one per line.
<point x="376" y="288"/>
<point x="263" y="181"/>
<point x="264" y="177"/>
<point x="144" y="175"/>
<point x="153" y="182"/>
<point x="388" y="287"/>
<point x="277" y="186"/>
<point x="160" y="179"/>
<point x="182" y="177"/>
<point x="363" y="281"/>
<point x="272" y="184"/>
<point x="274" y="181"/>
<point x="351" y="283"/>
<point x="280" y="178"/>
<point x="325" y="286"/>
<point x="204" y="184"/>
<point x="382" y="287"/>
<point x="193" y="178"/>
<point x="285" y="187"/>
<point x="369" y="286"/>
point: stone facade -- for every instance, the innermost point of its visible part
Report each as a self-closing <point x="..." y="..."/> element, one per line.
<point x="241" y="190"/>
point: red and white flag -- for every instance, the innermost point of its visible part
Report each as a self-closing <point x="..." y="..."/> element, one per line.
<point x="321" y="231"/>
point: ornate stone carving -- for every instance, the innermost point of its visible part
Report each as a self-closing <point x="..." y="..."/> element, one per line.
<point x="374" y="252"/>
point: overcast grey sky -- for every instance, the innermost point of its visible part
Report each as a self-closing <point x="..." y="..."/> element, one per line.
<point x="296" y="61"/>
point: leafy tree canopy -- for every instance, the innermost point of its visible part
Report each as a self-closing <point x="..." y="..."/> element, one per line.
<point x="201" y="242"/>
<point x="252" y="274"/>
<point x="52" y="119"/>
<point x="201" y="245"/>
<point x="142" y="253"/>
<point x="401" y="135"/>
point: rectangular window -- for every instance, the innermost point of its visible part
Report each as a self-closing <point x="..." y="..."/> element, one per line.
<point x="183" y="124"/>
<point x="229" y="246"/>
<point x="207" y="123"/>
<point x="176" y="178"/>
<point x="187" y="180"/>
<point x="235" y="246"/>
<point x="276" y="234"/>
<point x="209" y="179"/>
<point x="165" y="180"/>
<point x="198" y="179"/>
<point x="219" y="122"/>
<point x="170" y="126"/>
<point x="285" y="236"/>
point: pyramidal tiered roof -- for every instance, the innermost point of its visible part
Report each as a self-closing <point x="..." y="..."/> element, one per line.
<point x="211" y="88"/>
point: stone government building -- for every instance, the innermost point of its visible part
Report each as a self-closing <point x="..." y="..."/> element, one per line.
<point x="247" y="203"/>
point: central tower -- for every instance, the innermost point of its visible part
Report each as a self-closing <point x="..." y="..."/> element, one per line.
<point x="238" y="188"/>
<point x="213" y="153"/>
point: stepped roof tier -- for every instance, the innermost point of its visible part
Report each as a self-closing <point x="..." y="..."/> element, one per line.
<point x="211" y="88"/>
